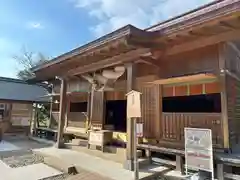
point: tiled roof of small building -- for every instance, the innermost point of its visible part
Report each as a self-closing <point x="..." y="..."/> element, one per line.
<point x="19" y="90"/>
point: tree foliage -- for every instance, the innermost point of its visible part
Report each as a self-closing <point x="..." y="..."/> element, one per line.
<point x="27" y="60"/>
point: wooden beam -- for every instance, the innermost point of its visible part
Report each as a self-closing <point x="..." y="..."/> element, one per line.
<point x="234" y="47"/>
<point x="63" y="103"/>
<point x="224" y="108"/>
<point x="227" y="25"/>
<point x="195" y="34"/>
<point x="232" y="75"/>
<point x="149" y="61"/>
<point x="202" y="42"/>
<point x="119" y="59"/>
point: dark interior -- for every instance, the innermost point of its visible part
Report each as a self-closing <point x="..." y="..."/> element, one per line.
<point x="205" y="103"/>
<point x="78" y="107"/>
<point x="116" y="114"/>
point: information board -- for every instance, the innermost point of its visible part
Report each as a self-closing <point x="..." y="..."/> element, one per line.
<point x="198" y="149"/>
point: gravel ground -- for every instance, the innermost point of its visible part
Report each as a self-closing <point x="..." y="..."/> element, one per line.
<point x="23" y="160"/>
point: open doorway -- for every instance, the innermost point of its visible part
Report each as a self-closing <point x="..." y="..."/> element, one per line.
<point x="116" y="114"/>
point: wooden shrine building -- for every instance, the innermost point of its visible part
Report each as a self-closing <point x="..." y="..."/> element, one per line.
<point x="16" y="104"/>
<point x="187" y="69"/>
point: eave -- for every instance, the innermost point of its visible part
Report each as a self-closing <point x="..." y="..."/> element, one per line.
<point x="120" y="41"/>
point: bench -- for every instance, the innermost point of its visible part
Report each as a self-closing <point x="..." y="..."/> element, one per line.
<point x="48" y="133"/>
<point x="223" y="160"/>
<point x="176" y="152"/>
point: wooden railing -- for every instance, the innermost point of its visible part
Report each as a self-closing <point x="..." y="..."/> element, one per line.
<point x="173" y="124"/>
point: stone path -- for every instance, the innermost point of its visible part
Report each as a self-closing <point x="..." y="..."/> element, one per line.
<point x="87" y="175"/>
<point x="96" y="165"/>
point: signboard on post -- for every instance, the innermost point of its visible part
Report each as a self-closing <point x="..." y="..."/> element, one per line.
<point x="133" y="104"/>
<point x="198" y="149"/>
<point x="134" y="112"/>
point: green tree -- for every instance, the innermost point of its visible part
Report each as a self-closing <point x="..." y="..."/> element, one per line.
<point x="27" y="60"/>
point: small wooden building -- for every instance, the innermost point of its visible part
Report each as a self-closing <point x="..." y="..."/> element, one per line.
<point x="16" y="104"/>
<point x="187" y="69"/>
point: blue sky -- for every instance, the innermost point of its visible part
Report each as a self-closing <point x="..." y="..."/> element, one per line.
<point x="53" y="27"/>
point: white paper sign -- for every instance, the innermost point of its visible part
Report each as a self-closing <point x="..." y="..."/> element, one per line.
<point x="198" y="149"/>
<point x="133" y="104"/>
<point x="139" y="129"/>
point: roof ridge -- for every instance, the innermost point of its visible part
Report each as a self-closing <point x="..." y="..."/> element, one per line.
<point x="12" y="80"/>
<point x="15" y="80"/>
<point x="201" y="7"/>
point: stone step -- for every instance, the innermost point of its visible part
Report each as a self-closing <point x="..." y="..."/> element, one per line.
<point x="143" y="162"/>
<point x="120" y="150"/>
<point x="79" y="142"/>
<point x="59" y="164"/>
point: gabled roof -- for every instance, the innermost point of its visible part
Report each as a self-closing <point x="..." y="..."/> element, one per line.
<point x="19" y="90"/>
<point x="130" y="43"/>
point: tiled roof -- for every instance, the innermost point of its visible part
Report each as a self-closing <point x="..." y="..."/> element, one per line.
<point x="18" y="90"/>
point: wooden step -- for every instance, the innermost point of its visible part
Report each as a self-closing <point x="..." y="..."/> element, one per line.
<point x="79" y="142"/>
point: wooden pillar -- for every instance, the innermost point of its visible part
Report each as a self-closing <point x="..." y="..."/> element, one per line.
<point x="222" y="80"/>
<point x="179" y="164"/>
<point x="220" y="171"/>
<point x="91" y="102"/>
<point x="63" y="105"/>
<point x="88" y="110"/>
<point x="131" y="85"/>
<point x="67" y="111"/>
<point x="51" y="108"/>
<point x="50" y="116"/>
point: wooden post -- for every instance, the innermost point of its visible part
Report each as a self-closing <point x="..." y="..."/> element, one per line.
<point x="220" y="171"/>
<point x="222" y="80"/>
<point x="136" y="167"/>
<point x="63" y="103"/>
<point x="51" y="107"/>
<point x="179" y="164"/>
<point x="67" y="112"/>
<point x="91" y="102"/>
<point x="131" y="85"/>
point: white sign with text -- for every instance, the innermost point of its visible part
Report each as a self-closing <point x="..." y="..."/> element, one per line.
<point x="198" y="149"/>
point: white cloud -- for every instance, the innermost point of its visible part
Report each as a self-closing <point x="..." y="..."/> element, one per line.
<point x="113" y="14"/>
<point x="35" y="25"/>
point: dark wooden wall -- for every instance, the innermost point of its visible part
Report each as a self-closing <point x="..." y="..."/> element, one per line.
<point x="232" y="57"/>
<point x="157" y="125"/>
<point x="151" y="110"/>
<point x="192" y="62"/>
